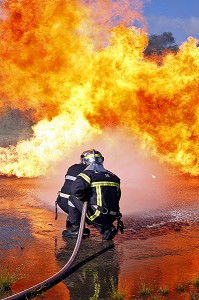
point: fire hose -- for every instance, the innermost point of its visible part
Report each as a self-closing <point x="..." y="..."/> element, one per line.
<point x="44" y="285"/>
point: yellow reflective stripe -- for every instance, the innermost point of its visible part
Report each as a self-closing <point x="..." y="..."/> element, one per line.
<point x="85" y="177"/>
<point x="94" y="216"/>
<point x="99" y="195"/>
<point x="98" y="186"/>
<point x="105" y="183"/>
<point x="99" y="203"/>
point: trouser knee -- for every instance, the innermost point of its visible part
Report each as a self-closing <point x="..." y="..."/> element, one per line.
<point x="63" y="204"/>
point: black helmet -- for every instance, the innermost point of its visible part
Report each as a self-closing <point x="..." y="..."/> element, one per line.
<point x="92" y="156"/>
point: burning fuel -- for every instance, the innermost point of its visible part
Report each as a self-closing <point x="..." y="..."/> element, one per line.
<point x="79" y="66"/>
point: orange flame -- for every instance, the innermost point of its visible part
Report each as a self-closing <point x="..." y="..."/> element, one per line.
<point x="79" y="74"/>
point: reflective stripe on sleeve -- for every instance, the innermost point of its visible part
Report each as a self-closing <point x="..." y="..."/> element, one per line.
<point x="94" y="216"/>
<point x="64" y="195"/>
<point x="85" y="177"/>
<point x="69" y="177"/>
<point x="99" y="203"/>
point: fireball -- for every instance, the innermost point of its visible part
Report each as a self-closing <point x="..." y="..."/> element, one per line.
<point x="79" y="66"/>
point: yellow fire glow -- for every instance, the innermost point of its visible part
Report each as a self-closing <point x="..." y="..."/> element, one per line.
<point x="79" y="75"/>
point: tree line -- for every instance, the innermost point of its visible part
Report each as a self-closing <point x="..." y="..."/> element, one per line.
<point x="159" y="44"/>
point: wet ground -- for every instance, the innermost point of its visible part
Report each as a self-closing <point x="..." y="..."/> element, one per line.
<point x="158" y="250"/>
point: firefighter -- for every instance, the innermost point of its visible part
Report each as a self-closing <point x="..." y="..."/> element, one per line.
<point x="101" y="189"/>
<point x="63" y="200"/>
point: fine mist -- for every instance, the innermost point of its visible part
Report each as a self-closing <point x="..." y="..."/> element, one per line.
<point x="142" y="177"/>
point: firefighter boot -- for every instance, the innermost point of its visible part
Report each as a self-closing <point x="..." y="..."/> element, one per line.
<point x="73" y="232"/>
<point x="109" y="233"/>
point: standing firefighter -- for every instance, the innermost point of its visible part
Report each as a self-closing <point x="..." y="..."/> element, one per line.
<point x="101" y="189"/>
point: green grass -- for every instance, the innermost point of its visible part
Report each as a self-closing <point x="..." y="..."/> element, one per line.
<point x="196" y="282"/>
<point x="149" y="291"/>
<point x="163" y="290"/>
<point x="114" y="293"/>
<point x="145" y="290"/>
<point x="6" y="279"/>
<point x="194" y="295"/>
<point x="180" y="287"/>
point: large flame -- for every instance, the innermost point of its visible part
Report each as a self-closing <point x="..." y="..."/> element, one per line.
<point x="79" y="66"/>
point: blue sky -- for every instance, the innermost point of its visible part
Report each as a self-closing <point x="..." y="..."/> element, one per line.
<point x="181" y="17"/>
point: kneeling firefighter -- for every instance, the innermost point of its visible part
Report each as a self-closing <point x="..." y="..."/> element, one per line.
<point x="63" y="200"/>
<point x="101" y="189"/>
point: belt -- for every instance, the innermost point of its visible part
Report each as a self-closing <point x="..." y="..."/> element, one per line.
<point x="105" y="210"/>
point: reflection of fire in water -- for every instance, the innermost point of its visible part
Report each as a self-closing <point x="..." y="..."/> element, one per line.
<point x="59" y="59"/>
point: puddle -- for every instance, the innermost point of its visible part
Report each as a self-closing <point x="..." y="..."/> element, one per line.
<point x="158" y="249"/>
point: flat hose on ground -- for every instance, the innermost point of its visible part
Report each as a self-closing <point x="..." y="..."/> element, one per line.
<point x="44" y="285"/>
